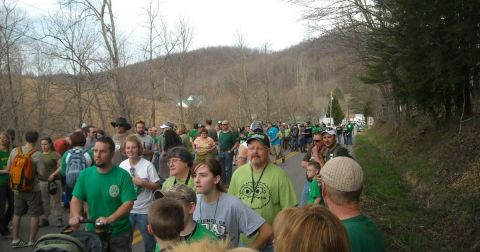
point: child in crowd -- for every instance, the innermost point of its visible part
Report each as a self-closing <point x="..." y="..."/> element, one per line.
<point x="314" y="193"/>
<point x="165" y="222"/>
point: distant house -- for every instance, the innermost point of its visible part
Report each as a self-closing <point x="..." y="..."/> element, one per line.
<point x="192" y="101"/>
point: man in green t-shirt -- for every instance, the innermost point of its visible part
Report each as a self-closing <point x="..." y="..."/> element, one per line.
<point x="109" y="193"/>
<point x="227" y="142"/>
<point x="342" y="183"/>
<point x="260" y="184"/>
<point x="6" y="194"/>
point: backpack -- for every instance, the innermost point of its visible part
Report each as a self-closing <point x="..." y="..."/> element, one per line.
<point x="21" y="171"/>
<point x="76" y="163"/>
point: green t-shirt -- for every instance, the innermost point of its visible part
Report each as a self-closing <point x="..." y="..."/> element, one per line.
<point x="273" y="192"/>
<point x="314" y="192"/>
<point x="192" y="134"/>
<point x="171" y="181"/>
<point x="63" y="162"/>
<point x="350" y="127"/>
<point x="287" y="132"/>
<point x="50" y="160"/>
<point x="363" y="234"/>
<point x="3" y="165"/>
<point x="105" y="193"/>
<point x="226" y="140"/>
<point x="199" y="233"/>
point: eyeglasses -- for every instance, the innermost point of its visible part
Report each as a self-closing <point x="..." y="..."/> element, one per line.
<point x="256" y="149"/>
<point x="172" y="161"/>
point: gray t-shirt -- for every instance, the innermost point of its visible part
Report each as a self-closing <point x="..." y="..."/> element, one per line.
<point x="37" y="162"/>
<point x="227" y="218"/>
<point x="148" y="144"/>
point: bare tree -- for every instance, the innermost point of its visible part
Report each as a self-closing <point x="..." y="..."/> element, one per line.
<point x="103" y="13"/>
<point x="73" y="40"/>
<point x="13" y="29"/>
<point x="178" y="66"/>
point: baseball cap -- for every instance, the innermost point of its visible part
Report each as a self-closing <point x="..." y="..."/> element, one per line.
<point x="256" y="126"/>
<point x="262" y="138"/>
<point x="167" y="125"/>
<point x="331" y="132"/>
<point x="342" y="174"/>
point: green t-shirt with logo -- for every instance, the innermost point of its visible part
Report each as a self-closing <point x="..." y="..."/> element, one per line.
<point x="3" y="165"/>
<point x="105" y="193"/>
<point x="350" y="127"/>
<point x="199" y="233"/>
<point x="268" y="196"/>
<point x="171" y="181"/>
<point x="363" y="234"/>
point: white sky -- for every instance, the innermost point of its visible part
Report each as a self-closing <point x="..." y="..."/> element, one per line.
<point x="214" y="22"/>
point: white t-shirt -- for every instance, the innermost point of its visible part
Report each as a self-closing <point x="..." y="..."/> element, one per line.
<point x="144" y="170"/>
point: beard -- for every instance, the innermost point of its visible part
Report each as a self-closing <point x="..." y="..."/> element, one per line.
<point x="101" y="165"/>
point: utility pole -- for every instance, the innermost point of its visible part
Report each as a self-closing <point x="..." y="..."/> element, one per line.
<point x="331" y="105"/>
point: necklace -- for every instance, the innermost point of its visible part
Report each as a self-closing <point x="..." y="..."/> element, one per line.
<point x="255" y="185"/>
<point x="216" y="207"/>
<point x="187" y="237"/>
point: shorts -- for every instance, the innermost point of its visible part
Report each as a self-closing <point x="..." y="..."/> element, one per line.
<point x="28" y="203"/>
<point x="276" y="150"/>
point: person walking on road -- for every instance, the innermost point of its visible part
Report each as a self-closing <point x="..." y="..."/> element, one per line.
<point x="6" y="193"/>
<point x="27" y="199"/>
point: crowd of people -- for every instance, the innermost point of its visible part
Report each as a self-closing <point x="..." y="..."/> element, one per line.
<point x="179" y="189"/>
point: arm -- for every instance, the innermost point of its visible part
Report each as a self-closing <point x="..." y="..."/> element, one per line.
<point x="75" y="213"/>
<point x="145" y="184"/>
<point x="265" y="234"/>
<point x="121" y="211"/>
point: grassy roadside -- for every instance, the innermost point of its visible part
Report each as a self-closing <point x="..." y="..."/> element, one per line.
<point x="388" y="199"/>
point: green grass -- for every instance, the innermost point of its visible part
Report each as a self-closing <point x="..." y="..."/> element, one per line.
<point x="392" y="205"/>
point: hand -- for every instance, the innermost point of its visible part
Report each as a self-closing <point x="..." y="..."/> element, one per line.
<point x="137" y="181"/>
<point x="102" y="220"/>
<point x="74" y="222"/>
<point x="315" y="150"/>
<point x="51" y="178"/>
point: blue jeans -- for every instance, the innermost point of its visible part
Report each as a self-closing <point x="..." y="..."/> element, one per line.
<point x="226" y="160"/>
<point x="140" y="221"/>
<point x="305" y="192"/>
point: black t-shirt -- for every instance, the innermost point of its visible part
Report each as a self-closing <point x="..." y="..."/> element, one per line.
<point x="294" y="132"/>
<point x="339" y="130"/>
<point x="308" y="133"/>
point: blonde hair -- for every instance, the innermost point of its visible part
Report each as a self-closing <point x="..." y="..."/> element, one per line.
<point x="134" y="139"/>
<point x="207" y="245"/>
<point x="309" y="228"/>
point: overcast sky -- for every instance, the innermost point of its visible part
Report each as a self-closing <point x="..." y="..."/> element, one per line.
<point x="214" y="22"/>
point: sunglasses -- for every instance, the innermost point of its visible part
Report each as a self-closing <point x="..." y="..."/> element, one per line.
<point x="317" y="141"/>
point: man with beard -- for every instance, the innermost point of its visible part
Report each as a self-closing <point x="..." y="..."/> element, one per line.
<point x="334" y="149"/>
<point x="121" y="132"/>
<point x="260" y="184"/>
<point x="108" y="191"/>
<point x="148" y="144"/>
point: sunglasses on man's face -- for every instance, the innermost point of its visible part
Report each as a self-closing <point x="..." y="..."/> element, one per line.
<point x="316" y="141"/>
